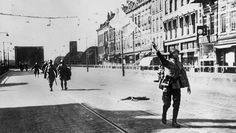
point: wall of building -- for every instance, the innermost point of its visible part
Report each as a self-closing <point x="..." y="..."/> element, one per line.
<point x="226" y="46"/>
<point x="173" y="23"/>
<point x="180" y="24"/>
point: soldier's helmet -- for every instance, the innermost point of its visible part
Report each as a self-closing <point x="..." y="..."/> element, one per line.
<point x="174" y="51"/>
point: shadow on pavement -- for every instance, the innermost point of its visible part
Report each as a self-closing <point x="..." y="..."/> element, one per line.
<point x="140" y="121"/>
<point x="19" y="73"/>
<point x="66" y="118"/>
<point x="135" y="121"/>
<point x="12" y="84"/>
<point x="73" y="118"/>
<point x="209" y="123"/>
<point x="84" y="89"/>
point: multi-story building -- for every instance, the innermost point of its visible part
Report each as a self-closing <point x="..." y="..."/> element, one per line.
<point x="106" y="39"/>
<point x="157" y="23"/>
<point x="226" y="47"/>
<point x="111" y="45"/>
<point x="138" y="43"/>
<point x="208" y="41"/>
<point x="180" y="21"/>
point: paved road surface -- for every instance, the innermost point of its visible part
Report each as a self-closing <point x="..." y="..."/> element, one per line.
<point x="27" y="104"/>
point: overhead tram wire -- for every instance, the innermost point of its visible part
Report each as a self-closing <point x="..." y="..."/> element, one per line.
<point x="37" y="17"/>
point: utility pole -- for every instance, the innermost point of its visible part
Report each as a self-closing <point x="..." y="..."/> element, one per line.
<point x="122" y="54"/>
<point x="3" y="47"/>
<point x="6" y="33"/>
<point x="87" y="54"/>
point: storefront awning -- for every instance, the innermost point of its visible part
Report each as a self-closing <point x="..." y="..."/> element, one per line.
<point x="224" y="46"/>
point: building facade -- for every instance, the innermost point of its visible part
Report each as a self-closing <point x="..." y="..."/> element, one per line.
<point x="106" y="44"/>
<point x="180" y="21"/>
<point x="157" y="23"/>
<point x="226" y="46"/>
<point x="209" y="41"/>
<point x="174" y="24"/>
<point x="138" y="44"/>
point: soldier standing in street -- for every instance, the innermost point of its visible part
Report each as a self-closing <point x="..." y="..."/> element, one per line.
<point x="36" y="69"/>
<point x="64" y="74"/>
<point x="44" y="66"/>
<point x="50" y="73"/>
<point x="177" y="78"/>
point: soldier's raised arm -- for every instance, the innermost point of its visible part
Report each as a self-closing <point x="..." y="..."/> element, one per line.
<point x="164" y="61"/>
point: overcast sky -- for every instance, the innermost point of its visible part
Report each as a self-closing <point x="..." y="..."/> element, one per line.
<point x="55" y="38"/>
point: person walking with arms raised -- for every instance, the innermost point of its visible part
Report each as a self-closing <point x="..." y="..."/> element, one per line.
<point x="175" y="78"/>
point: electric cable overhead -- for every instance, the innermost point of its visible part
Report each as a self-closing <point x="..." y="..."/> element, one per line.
<point x="39" y="17"/>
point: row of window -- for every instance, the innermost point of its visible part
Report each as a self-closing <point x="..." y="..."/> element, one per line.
<point x="172" y="5"/>
<point x="183" y="46"/>
<point x="127" y="44"/>
<point x="182" y="22"/>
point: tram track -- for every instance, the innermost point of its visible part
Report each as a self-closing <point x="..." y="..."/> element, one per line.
<point x="104" y="118"/>
<point x="111" y="123"/>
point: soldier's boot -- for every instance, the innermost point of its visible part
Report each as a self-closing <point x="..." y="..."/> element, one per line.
<point x="163" y="119"/>
<point x="61" y="85"/>
<point x="66" y="85"/>
<point x="174" y="120"/>
<point x="50" y="85"/>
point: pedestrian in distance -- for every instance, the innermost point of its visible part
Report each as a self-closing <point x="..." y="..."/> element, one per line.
<point x="21" y="66"/>
<point x="36" y="68"/>
<point x="44" y="66"/>
<point x="175" y="78"/>
<point x="26" y="67"/>
<point x="64" y="74"/>
<point x="50" y="73"/>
